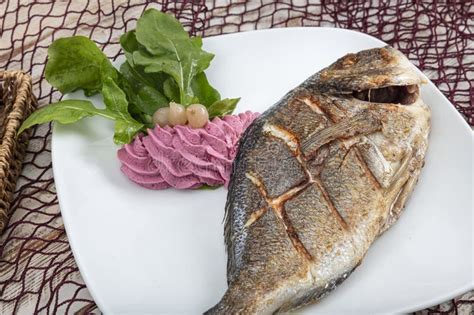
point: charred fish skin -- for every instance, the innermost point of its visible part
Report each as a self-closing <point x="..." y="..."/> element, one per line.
<point x="318" y="177"/>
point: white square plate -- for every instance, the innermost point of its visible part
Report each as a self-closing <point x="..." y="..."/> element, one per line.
<point x="143" y="251"/>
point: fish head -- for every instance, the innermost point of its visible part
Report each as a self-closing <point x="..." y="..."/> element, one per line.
<point x="382" y="88"/>
<point x="381" y="75"/>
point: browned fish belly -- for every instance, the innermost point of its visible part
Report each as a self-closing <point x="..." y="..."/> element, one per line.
<point x="318" y="177"/>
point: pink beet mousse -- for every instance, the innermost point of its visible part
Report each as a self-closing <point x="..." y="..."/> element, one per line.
<point x="185" y="158"/>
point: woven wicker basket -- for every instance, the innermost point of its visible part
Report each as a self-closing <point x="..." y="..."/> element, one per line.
<point x="16" y="103"/>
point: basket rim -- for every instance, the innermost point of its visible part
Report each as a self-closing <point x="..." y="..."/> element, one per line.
<point x="13" y="146"/>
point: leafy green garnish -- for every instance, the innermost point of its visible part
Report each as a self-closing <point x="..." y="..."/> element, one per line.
<point x="129" y="44"/>
<point x="71" y="111"/>
<point x="163" y="64"/>
<point x="77" y="63"/>
<point x="171" y="90"/>
<point x="222" y="107"/>
<point x="65" y="112"/>
<point x="116" y="103"/>
<point x="204" y="92"/>
<point x="141" y="93"/>
<point x="169" y="49"/>
<point x="207" y="187"/>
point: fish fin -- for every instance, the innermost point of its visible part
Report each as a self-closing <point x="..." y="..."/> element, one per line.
<point x="376" y="162"/>
<point x="235" y="301"/>
<point x="362" y="123"/>
<point x="399" y="178"/>
<point x="399" y="203"/>
<point x="401" y="186"/>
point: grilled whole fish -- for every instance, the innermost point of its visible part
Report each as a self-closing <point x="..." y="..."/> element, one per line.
<point x="318" y="177"/>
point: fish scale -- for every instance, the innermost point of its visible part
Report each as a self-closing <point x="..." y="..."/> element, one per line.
<point x="318" y="177"/>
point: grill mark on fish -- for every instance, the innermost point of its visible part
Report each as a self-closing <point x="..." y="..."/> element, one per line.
<point x="259" y="184"/>
<point x="290" y="230"/>
<point x="255" y="216"/>
<point x="316" y="106"/>
<point x="330" y="204"/>
<point x="277" y="205"/>
<point x="290" y="139"/>
<point x="281" y="199"/>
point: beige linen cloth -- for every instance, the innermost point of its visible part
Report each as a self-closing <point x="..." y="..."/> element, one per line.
<point x="38" y="273"/>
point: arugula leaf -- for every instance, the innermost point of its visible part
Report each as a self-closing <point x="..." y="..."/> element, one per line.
<point x="158" y="31"/>
<point x="197" y="41"/>
<point x="169" y="49"/>
<point x="124" y="131"/>
<point x="137" y="76"/>
<point x="207" y="187"/>
<point x="129" y="91"/>
<point x="171" y="90"/>
<point x="222" y="107"/>
<point x="116" y="103"/>
<point x="129" y="44"/>
<point x="64" y="112"/>
<point x="77" y="63"/>
<point x="115" y="99"/>
<point x="140" y="91"/>
<point x="203" y="90"/>
<point x="71" y="111"/>
<point x="150" y="99"/>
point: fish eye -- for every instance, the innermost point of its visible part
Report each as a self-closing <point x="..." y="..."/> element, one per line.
<point x="403" y="94"/>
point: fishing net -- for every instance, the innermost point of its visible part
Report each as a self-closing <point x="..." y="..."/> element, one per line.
<point x="37" y="270"/>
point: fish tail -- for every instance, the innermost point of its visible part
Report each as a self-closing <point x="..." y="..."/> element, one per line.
<point x="235" y="302"/>
<point x="219" y="308"/>
<point x="225" y="306"/>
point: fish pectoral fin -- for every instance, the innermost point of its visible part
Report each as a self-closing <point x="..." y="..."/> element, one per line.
<point x="399" y="203"/>
<point x="399" y="178"/>
<point x="401" y="186"/>
<point x="376" y="162"/>
<point x="362" y="123"/>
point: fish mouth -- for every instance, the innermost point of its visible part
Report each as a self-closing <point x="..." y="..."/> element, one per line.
<point x="395" y="94"/>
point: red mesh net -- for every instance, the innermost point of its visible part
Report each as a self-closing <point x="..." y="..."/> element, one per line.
<point x="37" y="270"/>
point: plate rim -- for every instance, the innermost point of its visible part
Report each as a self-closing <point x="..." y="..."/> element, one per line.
<point x="66" y="220"/>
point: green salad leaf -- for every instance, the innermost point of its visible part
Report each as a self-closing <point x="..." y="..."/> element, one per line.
<point x="207" y="187"/>
<point x="141" y="91"/>
<point x="206" y="94"/>
<point x="116" y="104"/>
<point x="171" y="90"/>
<point x="163" y="64"/>
<point x="203" y="92"/>
<point x="169" y="49"/>
<point x="159" y="32"/>
<point x="65" y="112"/>
<point x="129" y="44"/>
<point x="71" y="111"/>
<point x="77" y="63"/>
<point x="222" y="107"/>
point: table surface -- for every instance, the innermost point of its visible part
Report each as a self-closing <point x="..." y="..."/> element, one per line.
<point x="37" y="270"/>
